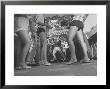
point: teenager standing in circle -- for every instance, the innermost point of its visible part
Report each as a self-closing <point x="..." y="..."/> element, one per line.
<point x="76" y="29"/>
<point x="41" y="31"/>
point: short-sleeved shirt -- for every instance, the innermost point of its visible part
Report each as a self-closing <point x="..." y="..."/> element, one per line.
<point x="33" y="25"/>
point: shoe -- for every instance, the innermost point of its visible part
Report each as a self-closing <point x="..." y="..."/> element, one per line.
<point x="85" y="60"/>
<point x="28" y="63"/>
<point x="32" y="64"/>
<point x="47" y="64"/>
<point x="71" y="61"/>
<point x="18" y="68"/>
<point x="41" y="62"/>
<point x="21" y="67"/>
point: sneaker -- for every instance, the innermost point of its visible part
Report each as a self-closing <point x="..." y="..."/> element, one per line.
<point x="71" y="61"/>
<point x="47" y="63"/>
<point x="87" y="60"/>
<point x="21" y="67"/>
<point x="32" y="64"/>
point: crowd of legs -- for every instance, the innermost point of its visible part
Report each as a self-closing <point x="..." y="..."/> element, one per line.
<point x="23" y="44"/>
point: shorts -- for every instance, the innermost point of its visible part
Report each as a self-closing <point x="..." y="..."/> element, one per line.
<point x="21" y="23"/>
<point x="77" y="23"/>
<point x="39" y="30"/>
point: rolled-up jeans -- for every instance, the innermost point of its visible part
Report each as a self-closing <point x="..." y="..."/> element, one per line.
<point x="44" y="46"/>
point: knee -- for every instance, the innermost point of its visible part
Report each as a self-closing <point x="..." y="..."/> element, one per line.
<point x="27" y="43"/>
<point x="70" y="40"/>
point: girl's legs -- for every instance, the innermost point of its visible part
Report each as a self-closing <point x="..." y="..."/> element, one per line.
<point x="24" y="36"/>
<point x="83" y="44"/>
<point x="71" y="35"/>
<point x="89" y="51"/>
<point x="18" y="51"/>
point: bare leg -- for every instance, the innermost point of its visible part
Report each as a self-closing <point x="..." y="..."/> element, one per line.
<point x="89" y="51"/>
<point x="17" y="49"/>
<point x="28" y="58"/>
<point x="21" y="26"/>
<point x="72" y="33"/>
<point x="25" y="46"/>
<point x="83" y="44"/>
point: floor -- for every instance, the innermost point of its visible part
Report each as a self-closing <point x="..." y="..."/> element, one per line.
<point x="61" y="69"/>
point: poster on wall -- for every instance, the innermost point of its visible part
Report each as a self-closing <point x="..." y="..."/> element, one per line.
<point x="55" y="43"/>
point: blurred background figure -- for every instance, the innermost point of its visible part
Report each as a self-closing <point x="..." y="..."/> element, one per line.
<point x="41" y="31"/>
<point x="33" y="51"/>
